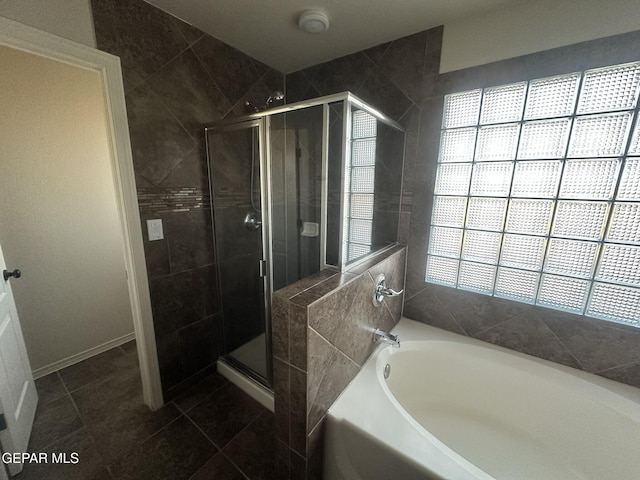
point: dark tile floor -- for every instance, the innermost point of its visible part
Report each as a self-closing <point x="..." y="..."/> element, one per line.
<point x="95" y="408"/>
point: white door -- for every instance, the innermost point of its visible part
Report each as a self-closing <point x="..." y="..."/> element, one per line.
<point x="18" y="397"/>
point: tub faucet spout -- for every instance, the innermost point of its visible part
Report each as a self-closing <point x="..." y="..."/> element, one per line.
<point x="381" y="336"/>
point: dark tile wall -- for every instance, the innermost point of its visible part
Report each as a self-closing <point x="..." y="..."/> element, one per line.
<point x="389" y="77"/>
<point x="322" y="335"/>
<point x="401" y="78"/>
<point x="177" y="80"/>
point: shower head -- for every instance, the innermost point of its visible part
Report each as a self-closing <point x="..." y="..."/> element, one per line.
<point x="249" y="107"/>
<point x="274" y="97"/>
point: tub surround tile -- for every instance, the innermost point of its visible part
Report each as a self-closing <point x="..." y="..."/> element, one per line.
<point x="629" y="374"/>
<point x="607" y="349"/>
<point x="353" y="337"/>
<point x="331" y="372"/>
<point x="304" y="284"/>
<point x="416" y="259"/>
<point x="298" y="336"/>
<point x="280" y="327"/>
<point x="298" y="415"/>
<point x="476" y="313"/>
<point x="597" y="345"/>
<point x="315" y="451"/>
<point x="394" y="272"/>
<point x="282" y="395"/>
<point x="330" y="319"/>
<point x="318" y="291"/>
<point x="298" y="466"/>
<point x="427" y="306"/>
<point x="529" y="334"/>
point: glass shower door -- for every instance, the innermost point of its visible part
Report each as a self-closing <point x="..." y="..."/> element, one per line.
<point x="234" y="154"/>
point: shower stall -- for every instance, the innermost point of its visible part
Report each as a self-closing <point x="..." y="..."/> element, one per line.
<point x="296" y="189"/>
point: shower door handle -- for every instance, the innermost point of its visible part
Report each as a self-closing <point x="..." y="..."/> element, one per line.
<point x="263" y="268"/>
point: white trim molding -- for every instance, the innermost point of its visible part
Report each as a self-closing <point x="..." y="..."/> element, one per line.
<point x="79" y="357"/>
<point x="32" y="40"/>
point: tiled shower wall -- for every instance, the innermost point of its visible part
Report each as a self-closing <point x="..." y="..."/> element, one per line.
<point x="322" y="335"/>
<point x="401" y="79"/>
<point x="178" y="80"/>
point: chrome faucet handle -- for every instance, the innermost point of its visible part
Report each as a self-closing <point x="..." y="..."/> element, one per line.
<point x="382" y="291"/>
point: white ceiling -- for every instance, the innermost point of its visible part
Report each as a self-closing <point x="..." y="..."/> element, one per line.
<point x="268" y="30"/>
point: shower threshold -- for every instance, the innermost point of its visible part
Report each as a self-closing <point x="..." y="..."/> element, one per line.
<point x="245" y="380"/>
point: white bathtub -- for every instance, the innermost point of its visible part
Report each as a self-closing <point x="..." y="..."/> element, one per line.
<point x="457" y="408"/>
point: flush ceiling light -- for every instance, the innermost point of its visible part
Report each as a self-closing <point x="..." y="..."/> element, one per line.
<point x="313" y="21"/>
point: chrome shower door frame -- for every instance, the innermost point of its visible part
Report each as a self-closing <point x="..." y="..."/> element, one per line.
<point x="265" y="267"/>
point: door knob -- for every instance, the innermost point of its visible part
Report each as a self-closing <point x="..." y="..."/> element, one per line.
<point x="7" y="274"/>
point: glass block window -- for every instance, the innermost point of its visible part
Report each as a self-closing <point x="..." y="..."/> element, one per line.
<point x="537" y="195"/>
<point x="360" y="178"/>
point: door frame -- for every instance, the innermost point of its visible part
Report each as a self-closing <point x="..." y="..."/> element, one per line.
<point x="44" y="44"/>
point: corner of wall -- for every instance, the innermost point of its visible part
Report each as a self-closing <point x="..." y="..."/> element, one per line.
<point x="322" y="335"/>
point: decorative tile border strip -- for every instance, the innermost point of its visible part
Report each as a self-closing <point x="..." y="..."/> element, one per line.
<point x="172" y="199"/>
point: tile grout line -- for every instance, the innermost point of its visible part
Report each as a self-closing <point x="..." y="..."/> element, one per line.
<point x="217" y="447"/>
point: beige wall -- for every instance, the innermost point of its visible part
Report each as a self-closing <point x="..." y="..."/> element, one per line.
<point x="70" y="19"/>
<point x="533" y="26"/>
<point x="58" y="217"/>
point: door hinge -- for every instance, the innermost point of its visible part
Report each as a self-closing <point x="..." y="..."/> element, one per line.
<point x="3" y="422"/>
<point x="263" y="268"/>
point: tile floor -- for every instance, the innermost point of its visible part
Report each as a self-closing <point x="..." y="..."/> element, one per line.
<point x="95" y="408"/>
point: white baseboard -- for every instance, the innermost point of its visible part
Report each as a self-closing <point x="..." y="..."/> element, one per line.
<point x="251" y="388"/>
<point x="78" y="357"/>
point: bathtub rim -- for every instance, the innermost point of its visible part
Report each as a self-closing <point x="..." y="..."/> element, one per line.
<point x="418" y="331"/>
<point x="451" y="465"/>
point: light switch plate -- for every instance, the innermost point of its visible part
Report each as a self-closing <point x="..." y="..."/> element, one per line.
<point x="154" y="229"/>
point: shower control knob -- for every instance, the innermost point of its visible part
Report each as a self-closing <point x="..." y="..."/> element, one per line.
<point x="7" y="274"/>
<point x="252" y="221"/>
